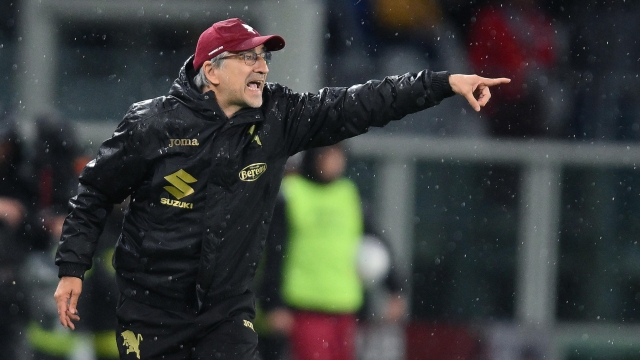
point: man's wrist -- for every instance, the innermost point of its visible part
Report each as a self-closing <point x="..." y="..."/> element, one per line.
<point x="71" y="269"/>
<point x="440" y="85"/>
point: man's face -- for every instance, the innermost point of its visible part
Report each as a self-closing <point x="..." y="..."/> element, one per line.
<point x="331" y="163"/>
<point x="238" y="85"/>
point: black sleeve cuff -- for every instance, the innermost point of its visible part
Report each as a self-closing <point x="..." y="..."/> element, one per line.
<point x="71" y="269"/>
<point x="440" y="85"/>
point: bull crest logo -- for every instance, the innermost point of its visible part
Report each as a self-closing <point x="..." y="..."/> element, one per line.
<point x="132" y="342"/>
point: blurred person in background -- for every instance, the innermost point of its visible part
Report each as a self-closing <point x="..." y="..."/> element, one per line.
<point x="313" y="289"/>
<point x="46" y="338"/>
<point x="378" y="37"/>
<point x="364" y="36"/>
<point x="55" y="162"/>
<point x="52" y="171"/>
<point x="413" y="23"/>
<point x="203" y="166"/>
<point x="18" y="233"/>
<point x="519" y="39"/>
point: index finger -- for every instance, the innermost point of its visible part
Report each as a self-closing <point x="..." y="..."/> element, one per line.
<point x="495" y="81"/>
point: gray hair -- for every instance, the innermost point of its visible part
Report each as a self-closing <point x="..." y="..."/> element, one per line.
<point x="200" y="80"/>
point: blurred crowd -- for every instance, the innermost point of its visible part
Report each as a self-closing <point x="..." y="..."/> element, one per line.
<point x="574" y="64"/>
<point x="33" y="204"/>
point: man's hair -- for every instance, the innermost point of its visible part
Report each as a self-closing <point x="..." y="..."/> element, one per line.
<point x="200" y="80"/>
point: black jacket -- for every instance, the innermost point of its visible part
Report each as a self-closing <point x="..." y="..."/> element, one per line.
<point x="203" y="186"/>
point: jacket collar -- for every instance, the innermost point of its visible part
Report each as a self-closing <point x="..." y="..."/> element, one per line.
<point x="184" y="90"/>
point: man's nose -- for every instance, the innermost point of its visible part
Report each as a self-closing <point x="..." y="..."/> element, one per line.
<point x="261" y="66"/>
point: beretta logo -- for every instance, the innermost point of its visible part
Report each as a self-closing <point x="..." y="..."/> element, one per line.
<point x="252" y="172"/>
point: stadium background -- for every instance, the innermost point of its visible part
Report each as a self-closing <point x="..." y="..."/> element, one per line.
<point x="543" y="256"/>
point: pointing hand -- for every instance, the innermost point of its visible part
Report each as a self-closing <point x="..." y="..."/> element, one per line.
<point x="475" y="88"/>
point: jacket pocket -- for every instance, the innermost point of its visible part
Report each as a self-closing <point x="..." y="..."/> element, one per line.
<point x="126" y="256"/>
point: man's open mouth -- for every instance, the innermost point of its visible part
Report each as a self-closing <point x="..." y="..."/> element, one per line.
<point x="255" y="85"/>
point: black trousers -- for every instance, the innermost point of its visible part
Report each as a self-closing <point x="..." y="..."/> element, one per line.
<point x="222" y="331"/>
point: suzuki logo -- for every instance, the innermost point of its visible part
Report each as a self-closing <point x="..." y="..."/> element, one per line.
<point x="180" y="180"/>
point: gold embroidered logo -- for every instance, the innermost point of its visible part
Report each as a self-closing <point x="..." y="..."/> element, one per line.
<point x="252" y="172"/>
<point x="183" y="142"/>
<point x="132" y="342"/>
<point x="176" y="203"/>
<point x="256" y="138"/>
<point x="180" y="180"/>
<point x="248" y="324"/>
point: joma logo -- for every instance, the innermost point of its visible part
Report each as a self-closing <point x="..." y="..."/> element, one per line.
<point x="252" y="172"/>
<point x="183" y="142"/>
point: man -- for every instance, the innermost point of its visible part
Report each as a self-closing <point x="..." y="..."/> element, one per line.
<point x="202" y="167"/>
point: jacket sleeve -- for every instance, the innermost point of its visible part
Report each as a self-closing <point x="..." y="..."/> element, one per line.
<point x="335" y="114"/>
<point x="108" y="179"/>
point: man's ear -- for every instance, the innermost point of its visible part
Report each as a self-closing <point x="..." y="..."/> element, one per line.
<point x="212" y="73"/>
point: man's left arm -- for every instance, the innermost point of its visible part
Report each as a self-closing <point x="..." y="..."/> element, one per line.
<point x="335" y="114"/>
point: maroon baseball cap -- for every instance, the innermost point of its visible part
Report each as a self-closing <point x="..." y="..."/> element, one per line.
<point x="231" y="35"/>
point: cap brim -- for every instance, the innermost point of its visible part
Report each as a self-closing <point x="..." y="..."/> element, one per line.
<point x="271" y="43"/>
